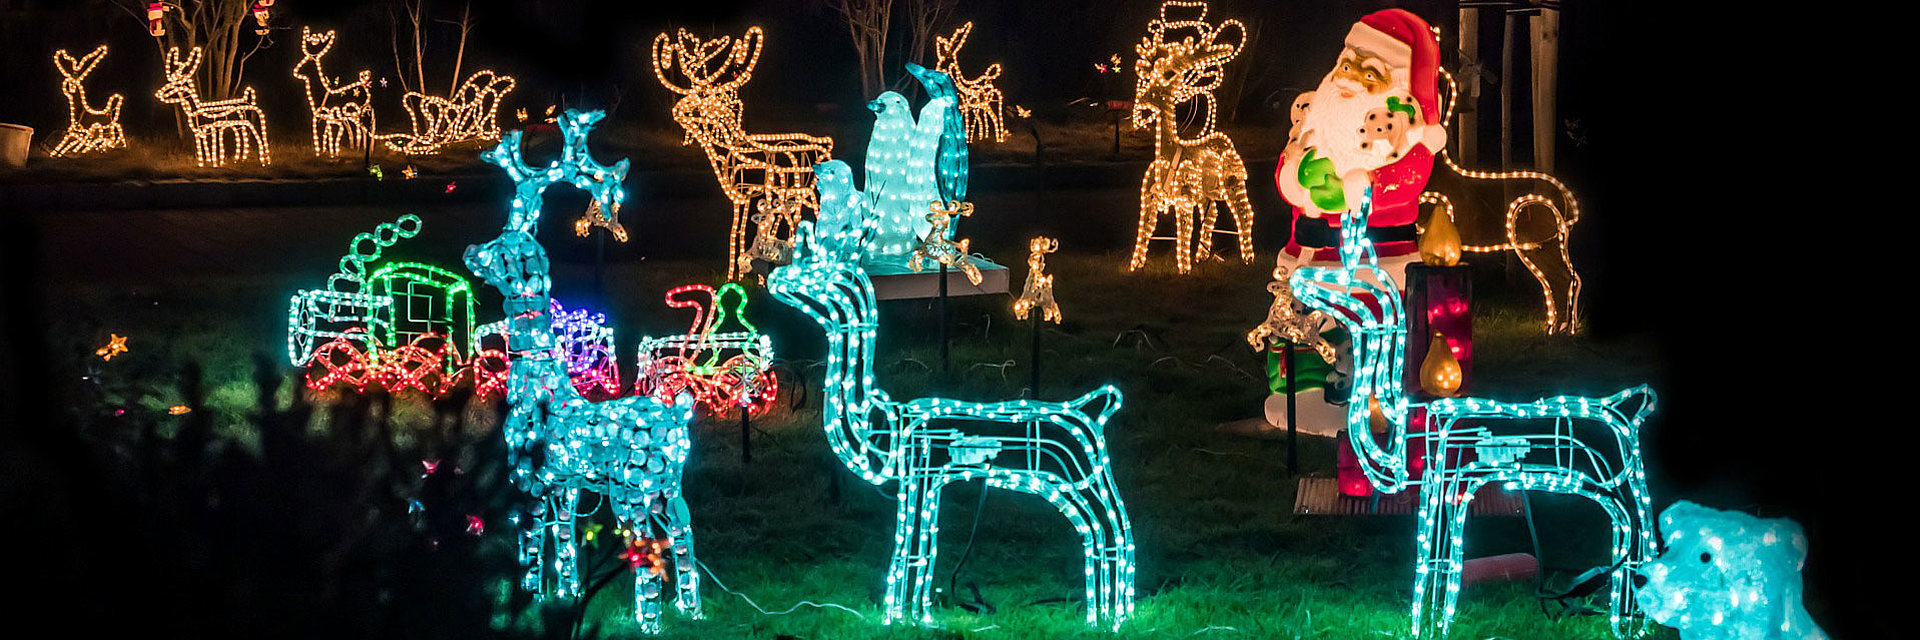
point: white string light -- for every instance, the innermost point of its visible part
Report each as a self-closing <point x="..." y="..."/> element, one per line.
<point x="981" y="103"/>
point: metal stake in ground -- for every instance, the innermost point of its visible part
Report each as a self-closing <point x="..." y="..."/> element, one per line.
<point x="1033" y="356"/>
<point x="746" y="443"/>
<point x="1293" y="433"/>
<point x="942" y="311"/>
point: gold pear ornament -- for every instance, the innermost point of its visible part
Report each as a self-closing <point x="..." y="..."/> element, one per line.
<point x="1440" y="372"/>
<point x="1440" y="243"/>
<point x="1376" y="418"/>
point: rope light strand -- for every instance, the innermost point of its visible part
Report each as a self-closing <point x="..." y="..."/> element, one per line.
<point x="88" y="129"/>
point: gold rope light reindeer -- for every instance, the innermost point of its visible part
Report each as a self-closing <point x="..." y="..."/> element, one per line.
<point x="88" y="129"/>
<point x="213" y="121"/>
<point x="341" y="113"/>
<point x="749" y="166"/>
<point x="1534" y="240"/>
<point x="1188" y="175"/>
<point x="981" y="103"/>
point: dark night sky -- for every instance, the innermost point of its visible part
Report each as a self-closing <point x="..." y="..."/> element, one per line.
<point x="1679" y="181"/>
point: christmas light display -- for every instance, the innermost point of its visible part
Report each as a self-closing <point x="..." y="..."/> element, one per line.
<point x="950" y="157"/>
<point x="1056" y="450"/>
<point x="341" y="112"/>
<point x="597" y="217"/>
<point x="116" y="345"/>
<point x="1365" y="300"/>
<point x="471" y="113"/>
<point x="936" y="248"/>
<point x="88" y="129"/>
<point x="262" y="11"/>
<point x="399" y="326"/>
<point x="1522" y="233"/>
<point x="749" y="166"/>
<point x="767" y="243"/>
<point x="981" y="103"/>
<point x="901" y="170"/>
<point x="1728" y="575"/>
<point x="1038" y="292"/>
<point x="631" y="450"/>
<point x="213" y="122"/>
<point x="723" y="370"/>
<point x="1188" y="175"/>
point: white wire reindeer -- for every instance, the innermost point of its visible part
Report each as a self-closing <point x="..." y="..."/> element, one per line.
<point x="1056" y="450"/>
<point x="1366" y="300"/>
<point x="631" y="450"/>
<point x="342" y="113"/>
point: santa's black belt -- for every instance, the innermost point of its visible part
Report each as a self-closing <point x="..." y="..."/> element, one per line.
<point x="1315" y="232"/>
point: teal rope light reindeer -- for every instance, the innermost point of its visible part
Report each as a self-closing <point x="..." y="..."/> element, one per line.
<point x="1366" y="301"/>
<point x="631" y="450"/>
<point x="1056" y="450"/>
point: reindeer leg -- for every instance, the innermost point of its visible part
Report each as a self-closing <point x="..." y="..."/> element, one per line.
<point x="1183" y="238"/>
<point x="1208" y="216"/>
<point x="566" y="561"/>
<point x="915" y="520"/>
<point x="636" y="516"/>
<point x="736" y="243"/>
<point x="532" y="543"/>
<point x="1093" y="541"/>
<point x="1117" y="554"/>
<point x="1242" y="216"/>
<point x="1149" y="218"/>
<point x="1437" y="560"/>
<point x="686" y="571"/>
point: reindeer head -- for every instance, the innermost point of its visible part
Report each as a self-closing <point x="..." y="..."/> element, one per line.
<point x="714" y="70"/>
<point x="946" y="49"/>
<point x="1038" y="248"/>
<point x="1170" y="72"/>
<point x="74" y="72"/>
<point x="313" y="47"/>
<point x="516" y="265"/>
<point x="179" y="88"/>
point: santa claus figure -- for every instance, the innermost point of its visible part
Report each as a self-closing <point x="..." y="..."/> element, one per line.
<point x="1373" y="123"/>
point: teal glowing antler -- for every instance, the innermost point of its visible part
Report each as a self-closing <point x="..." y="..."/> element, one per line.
<point x="576" y="166"/>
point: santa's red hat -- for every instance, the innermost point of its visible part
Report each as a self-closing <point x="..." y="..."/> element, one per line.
<point x="1398" y="32"/>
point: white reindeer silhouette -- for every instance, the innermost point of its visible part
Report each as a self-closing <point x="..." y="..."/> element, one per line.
<point x="213" y="121"/>
<point x="88" y="129"/>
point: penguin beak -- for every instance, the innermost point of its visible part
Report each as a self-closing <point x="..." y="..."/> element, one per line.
<point x="875" y="106"/>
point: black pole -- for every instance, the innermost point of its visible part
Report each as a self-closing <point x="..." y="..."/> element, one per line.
<point x="942" y="310"/>
<point x="1033" y="325"/>
<point x="600" y="270"/>
<point x="1116" y="131"/>
<point x="746" y="444"/>
<point x="1293" y="432"/>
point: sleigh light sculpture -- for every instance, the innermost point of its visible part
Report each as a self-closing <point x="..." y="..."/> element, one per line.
<point x="723" y="370"/>
<point x="88" y="129"/>
<point x="1364" y="299"/>
<point x="632" y="450"/>
<point x="471" y="113"/>
<point x="1056" y="450"/>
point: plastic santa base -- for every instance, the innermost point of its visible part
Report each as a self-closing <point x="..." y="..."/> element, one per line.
<point x="1315" y="416"/>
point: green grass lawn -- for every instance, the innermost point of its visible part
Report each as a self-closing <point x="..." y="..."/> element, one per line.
<point x="1220" y="553"/>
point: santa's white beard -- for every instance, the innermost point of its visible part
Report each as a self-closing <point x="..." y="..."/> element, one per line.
<point x="1335" y="127"/>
